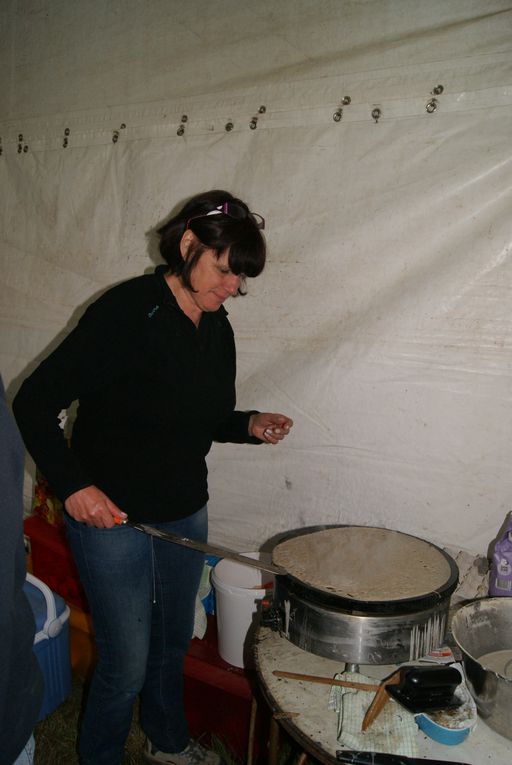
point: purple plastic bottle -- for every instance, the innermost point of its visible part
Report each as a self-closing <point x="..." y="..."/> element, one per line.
<point x="500" y="578"/>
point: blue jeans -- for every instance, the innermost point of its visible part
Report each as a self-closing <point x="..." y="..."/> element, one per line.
<point x="141" y="592"/>
<point x="27" y="755"/>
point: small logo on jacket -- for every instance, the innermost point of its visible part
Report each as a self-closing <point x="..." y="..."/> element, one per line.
<point x="153" y="311"/>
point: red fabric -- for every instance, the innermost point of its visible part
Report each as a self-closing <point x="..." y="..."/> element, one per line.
<point x="52" y="561"/>
<point x="218" y="698"/>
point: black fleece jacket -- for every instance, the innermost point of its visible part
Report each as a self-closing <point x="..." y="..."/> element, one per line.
<point x="154" y="391"/>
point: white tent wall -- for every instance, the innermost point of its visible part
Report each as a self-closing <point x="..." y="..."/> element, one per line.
<point x="382" y="322"/>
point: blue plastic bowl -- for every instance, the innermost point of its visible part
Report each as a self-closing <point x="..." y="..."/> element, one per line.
<point x="441" y="733"/>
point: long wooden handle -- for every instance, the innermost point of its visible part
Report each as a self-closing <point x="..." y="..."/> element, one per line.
<point x="325" y="680"/>
<point x="380" y="700"/>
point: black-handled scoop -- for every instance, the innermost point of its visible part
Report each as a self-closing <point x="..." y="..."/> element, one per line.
<point x="427" y="689"/>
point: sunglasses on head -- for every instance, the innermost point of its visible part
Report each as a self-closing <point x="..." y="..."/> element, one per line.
<point x="232" y="210"/>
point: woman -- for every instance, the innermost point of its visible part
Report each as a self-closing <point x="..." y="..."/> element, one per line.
<point x="152" y="364"/>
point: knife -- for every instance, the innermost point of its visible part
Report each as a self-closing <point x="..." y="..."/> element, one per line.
<point x="383" y="758"/>
<point x="194" y="544"/>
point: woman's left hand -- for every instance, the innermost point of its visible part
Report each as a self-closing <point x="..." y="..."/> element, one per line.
<point x="269" y="427"/>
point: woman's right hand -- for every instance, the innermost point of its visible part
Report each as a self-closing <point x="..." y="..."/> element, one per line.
<point x="93" y="507"/>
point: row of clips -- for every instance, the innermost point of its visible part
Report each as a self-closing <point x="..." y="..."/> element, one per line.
<point x="228" y="127"/>
<point x="376" y="114"/>
<point x="116" y="133"/>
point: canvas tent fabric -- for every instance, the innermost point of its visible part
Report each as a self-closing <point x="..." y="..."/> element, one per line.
<point x="381" y="323"/>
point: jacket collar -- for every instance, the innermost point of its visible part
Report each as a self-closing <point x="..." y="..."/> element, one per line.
<point x="168" y="296"/>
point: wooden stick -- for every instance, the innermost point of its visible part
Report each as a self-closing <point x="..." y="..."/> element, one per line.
<point x="380" y="700"/>
<point x="252" y="728"/>
<point x="273" y="743"/>
<point x="326" y="680"/>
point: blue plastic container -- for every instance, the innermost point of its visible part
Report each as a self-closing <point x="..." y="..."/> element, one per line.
<point x="459" y="721"/>
<point x="441" y="733"/>
<point x="51" y="642"/>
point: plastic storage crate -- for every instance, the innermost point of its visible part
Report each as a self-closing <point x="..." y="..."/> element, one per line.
<point x="51" y="642"/>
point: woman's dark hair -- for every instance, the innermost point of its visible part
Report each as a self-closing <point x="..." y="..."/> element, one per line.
<point x="241" y="235"/>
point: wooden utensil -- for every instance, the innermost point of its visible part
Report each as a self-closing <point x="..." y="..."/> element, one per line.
<point x="380" y="700"/>
<point x="326" y="680"/>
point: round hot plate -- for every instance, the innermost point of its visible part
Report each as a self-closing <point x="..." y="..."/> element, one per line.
<point x="365" y="568"/>
<point x="362" y="594"/>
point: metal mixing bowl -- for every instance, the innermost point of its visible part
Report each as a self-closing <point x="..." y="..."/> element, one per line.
<point x="480" y="628"/>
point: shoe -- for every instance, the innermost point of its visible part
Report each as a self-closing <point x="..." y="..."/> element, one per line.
<point x="193" y="754"/>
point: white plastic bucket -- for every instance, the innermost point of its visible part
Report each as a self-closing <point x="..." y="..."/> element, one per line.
<point x="238" y="591"/>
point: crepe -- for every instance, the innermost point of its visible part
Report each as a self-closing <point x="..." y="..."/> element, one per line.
<point x="364" y="563"/>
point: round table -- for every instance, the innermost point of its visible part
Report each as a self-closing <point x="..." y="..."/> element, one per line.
<point x="301" y="708"/>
